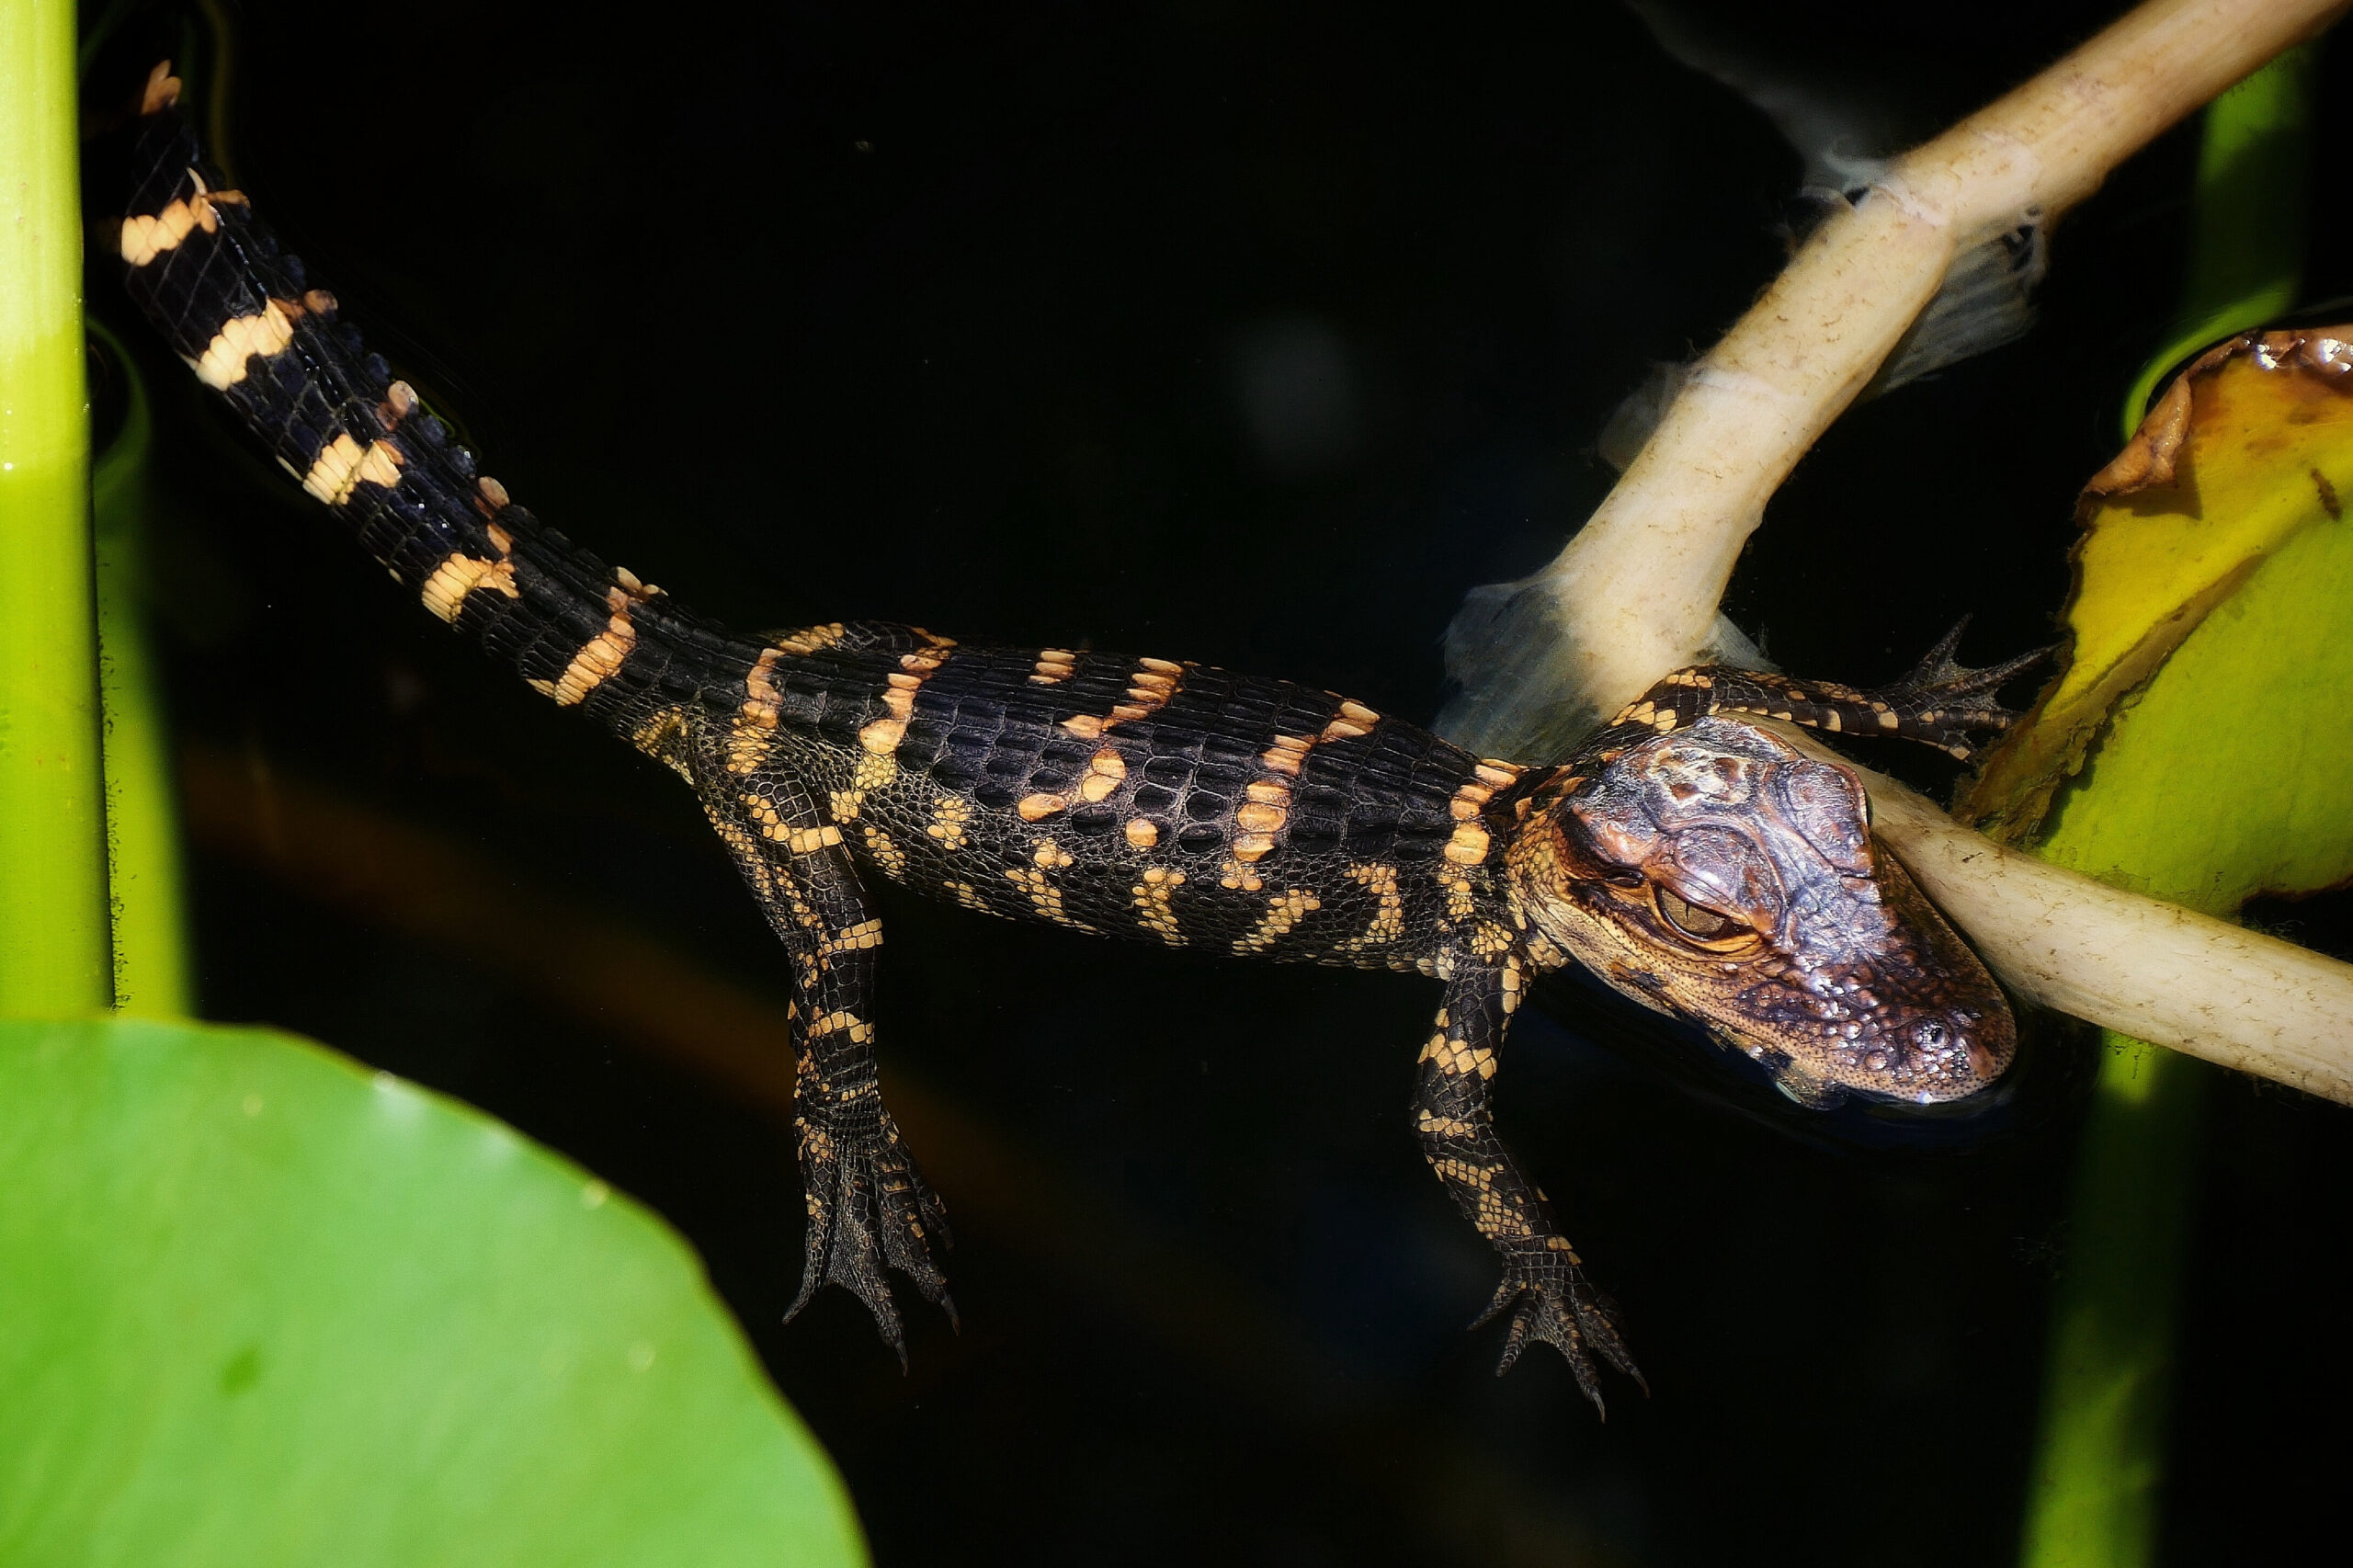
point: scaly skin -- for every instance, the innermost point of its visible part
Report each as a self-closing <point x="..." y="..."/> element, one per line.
<point x="1693" y="860"/>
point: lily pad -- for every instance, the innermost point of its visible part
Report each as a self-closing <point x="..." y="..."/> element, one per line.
<point x="259" y="1306"/>
<point x="2240" y="466"/>
<point x="2226" y="777"/>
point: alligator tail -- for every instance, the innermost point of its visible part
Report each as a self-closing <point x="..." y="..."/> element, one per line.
<point x="254" y="328"/>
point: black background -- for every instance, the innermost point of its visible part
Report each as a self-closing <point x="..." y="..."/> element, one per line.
<point x="960" y="315"/>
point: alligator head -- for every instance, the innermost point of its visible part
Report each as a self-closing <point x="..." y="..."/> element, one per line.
<point x="1718" y="874"/>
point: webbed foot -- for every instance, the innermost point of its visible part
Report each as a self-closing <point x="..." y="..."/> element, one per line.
<point x="868" y="1209"/>
<point x="1944" y="702"/>
<point x="1549" y="1300"/>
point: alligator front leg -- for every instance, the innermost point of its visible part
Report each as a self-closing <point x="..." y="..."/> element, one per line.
<point x="1942" y="703"/>
<point x="1544" y="1288"/>
<point x="868" y="1208"/>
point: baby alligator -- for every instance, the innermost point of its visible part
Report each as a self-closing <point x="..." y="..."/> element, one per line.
<point x="1695" y="862"/>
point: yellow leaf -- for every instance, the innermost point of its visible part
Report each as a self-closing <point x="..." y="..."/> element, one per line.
<point x="2249" y="449"/>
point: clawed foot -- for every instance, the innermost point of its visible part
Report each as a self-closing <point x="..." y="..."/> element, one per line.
<point x="1943" y="702"/>
<point x="1549" y="1300"/>
<point x="869" y="1209"/>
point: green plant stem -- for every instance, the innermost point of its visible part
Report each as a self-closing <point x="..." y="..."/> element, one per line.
<point x="2094" y="1494"/>
<point x="2249" y="216"/>
<point x="54" y="958"/>
<point x="150" y="970"/>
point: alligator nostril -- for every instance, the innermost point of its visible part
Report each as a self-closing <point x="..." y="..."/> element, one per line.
<point x="1929" y="1034"/>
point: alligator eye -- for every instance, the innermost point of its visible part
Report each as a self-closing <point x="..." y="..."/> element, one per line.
<point x="1699" y="924"/>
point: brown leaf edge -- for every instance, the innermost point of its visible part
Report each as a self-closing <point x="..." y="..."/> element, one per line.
<point x="2013" y="791"/>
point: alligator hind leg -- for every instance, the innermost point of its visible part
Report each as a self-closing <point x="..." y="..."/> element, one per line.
<point x="868" y="1208"/>
<point x="1544" y="1288"/>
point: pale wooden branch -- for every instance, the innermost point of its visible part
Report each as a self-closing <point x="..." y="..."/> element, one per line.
<point x="1635" y="592"/>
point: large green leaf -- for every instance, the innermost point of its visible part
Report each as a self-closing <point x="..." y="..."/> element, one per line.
<point x="2227" y="777"/>
<point x="2246" y="455"/>
<point x="258" y="1306"/>
<point x="2213" y="585"/>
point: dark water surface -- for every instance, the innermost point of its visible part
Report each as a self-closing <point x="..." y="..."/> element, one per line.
<point x="1254" y="336"/>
